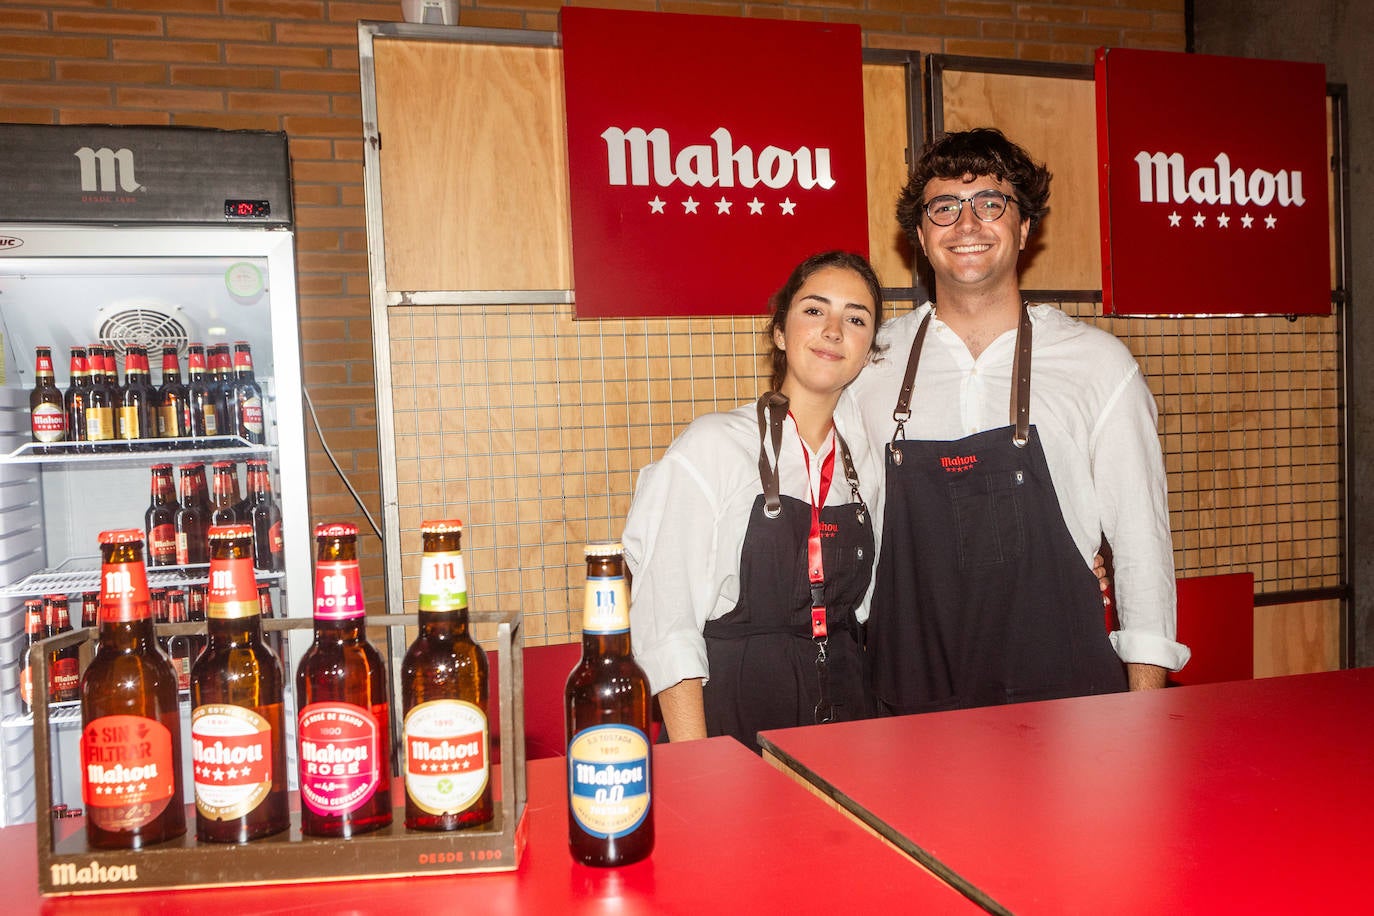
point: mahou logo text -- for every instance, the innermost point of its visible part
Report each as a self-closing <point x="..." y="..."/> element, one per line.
<point x="65" y="873"/>
<point x="633" y="155"/>
<point x="1164" y="178"/>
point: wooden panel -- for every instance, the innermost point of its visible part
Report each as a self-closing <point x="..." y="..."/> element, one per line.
<point x="885" y="133"/>
<point x="1055" y="120"/>
<point x="474" y="166"/>
<point x="1297" y="638"/>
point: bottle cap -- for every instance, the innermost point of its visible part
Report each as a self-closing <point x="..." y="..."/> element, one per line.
<point x="229" y="532"/>
<point x="336" y="530"/>
<point x="121" y="536"/>
<point x="441" y="526"/>
<point x="161" y="467"/>
<point x="604" y="549"/>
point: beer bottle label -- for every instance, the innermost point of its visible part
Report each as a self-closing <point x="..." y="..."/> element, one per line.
<point x="66" y="679"/>
<point x="231" y="757"/>
<point x="128" y="424"/>
<point x="99" y="424"/>
<point x="446" y="755"/>
<point x="183" y="548"/>
<point x="251" y="412"/>
<point x="608" y="779"/>
<point x="340" y="765"/>
<point x="443" y="587"/>
<point x="162" y="544"/>
<point x="233" y="591"/>
<point x="124" y="592"/>
<point x="275" y="544"/>
<point x="182" y="666"/>
<point x="49" y="423"/>
<point x="26" y="687"/>
<point x="338" y="591"/>
<point x="127" y="779"/>
<point x="608" y="606"/>
<point x="211" y="421"/>
<point x="168" y="425"/>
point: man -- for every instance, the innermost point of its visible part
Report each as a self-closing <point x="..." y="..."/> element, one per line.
<point x="1017" y="438"/>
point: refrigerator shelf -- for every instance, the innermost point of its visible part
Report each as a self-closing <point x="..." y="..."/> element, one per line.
<point x="65" y="581"/>
<point x="135" y="451"/>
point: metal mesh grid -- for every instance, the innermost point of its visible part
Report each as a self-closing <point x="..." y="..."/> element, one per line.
<point x="532" y="427"/>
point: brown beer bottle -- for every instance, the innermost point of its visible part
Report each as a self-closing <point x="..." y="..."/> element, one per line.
<point x="47" y="410"/>
<point x="64" y="665"/>
<point x="265" y="516"/>
<point x="180" y="649"/>
<point x="173" y="404"/>
<point x="192" y="518"/>
<point x="90" y="609"/>
<point x="33" y="634"/>
<point x="77" y="396"/>
<point x="130" y="723"/>
<point x="444" y="697"/>
<point x="103" y="398"/>
<point x="224" y="503"/>
<point x="275" y="639"/>
<point x="201" y="394"/>
<point x="343" y="731"/>
<point x="221" y="375"/>
<point x="244" y="397"/>
<point x="138" y="400"/>
<point x="238" y="734"/>
<point x="606" y="702"/>
<point x="160" y="519"/>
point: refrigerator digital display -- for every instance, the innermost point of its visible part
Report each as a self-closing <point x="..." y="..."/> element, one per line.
<point x="247" y="209"/>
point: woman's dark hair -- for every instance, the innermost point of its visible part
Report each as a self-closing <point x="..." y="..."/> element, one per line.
<point x="782" y="301"/>
<point x="973" y="153"/>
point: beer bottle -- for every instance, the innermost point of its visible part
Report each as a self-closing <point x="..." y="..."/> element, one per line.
<point x="192" y="519"/>
<point x="173" y="399"/>
<point x="265" y="516"/>
<point x="244" y="398"/>
<point x="64" y="665"/>
<point x="343" y="731"/>
<point x="276" y="639"/>
<point x="238" y="734"/>
<point x="137" y="410"/>
<point x="606" y="701"/>
<point x="224" y="503"/>
<point x="201" y="394"/>
<point x="180" y="649"/>
<point x="195" y="612"/>
<point x="102" y="399"/>
<point x="33" y="634"/>
<point x="221" y="374"/>
<point x="444" y="697"/>
<point x="157" y="600"/>
<point x="77" y="396"/>
<point x="90" y="609"/>
<point x="130" y="723"/>
<point x="160" y="519"/>
<point x="47" y="411"/>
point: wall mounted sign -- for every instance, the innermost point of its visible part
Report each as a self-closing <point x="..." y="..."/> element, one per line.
<point x="707" y="156"/>
<point x="1214" y="174"/>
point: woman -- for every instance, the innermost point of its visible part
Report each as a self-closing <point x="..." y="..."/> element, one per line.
<point x="736" y="629"/>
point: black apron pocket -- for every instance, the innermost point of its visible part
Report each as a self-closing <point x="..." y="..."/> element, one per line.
<point x="989" y="529"/>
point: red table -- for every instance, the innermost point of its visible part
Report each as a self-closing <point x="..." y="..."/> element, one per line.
<point x="1249" y="796"/>
<point x="732" y="834"/>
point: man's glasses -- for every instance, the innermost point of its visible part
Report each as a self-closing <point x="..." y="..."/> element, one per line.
<point x="987" y="205"/>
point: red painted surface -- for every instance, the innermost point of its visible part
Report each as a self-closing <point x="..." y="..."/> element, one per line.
<point x="1242" y="797"/>
<point x="733" y="834"/>
<point x="1216" y="619"/>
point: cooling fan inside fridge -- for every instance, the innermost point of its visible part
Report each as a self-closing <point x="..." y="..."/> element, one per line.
<point x="148" y="325"/>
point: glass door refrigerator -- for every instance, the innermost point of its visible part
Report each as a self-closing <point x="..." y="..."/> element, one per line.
<point x="119" y="237"/>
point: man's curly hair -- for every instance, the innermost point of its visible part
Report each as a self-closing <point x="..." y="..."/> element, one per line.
<point x="971" y="154"/>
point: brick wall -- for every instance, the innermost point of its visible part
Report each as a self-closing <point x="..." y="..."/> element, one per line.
<point x="292" y="65"/>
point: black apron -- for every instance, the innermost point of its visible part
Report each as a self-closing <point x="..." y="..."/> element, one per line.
<point x="761" y="654"/>
<point x="982" y="596"/>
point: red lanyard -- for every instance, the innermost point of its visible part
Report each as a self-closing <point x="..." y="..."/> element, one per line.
<point x="814" y="563"/>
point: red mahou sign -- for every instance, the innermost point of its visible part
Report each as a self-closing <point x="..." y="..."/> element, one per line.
<point x="1214" y="178"/>
<point x="707" y="156"/>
